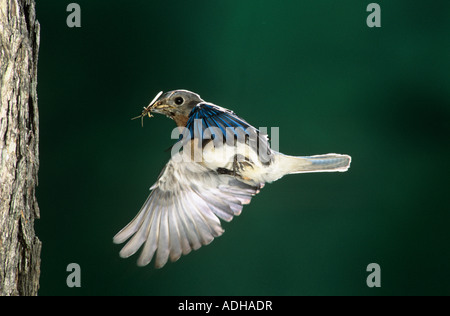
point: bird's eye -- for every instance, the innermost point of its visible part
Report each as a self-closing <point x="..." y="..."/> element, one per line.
<point x="179" y="100"/>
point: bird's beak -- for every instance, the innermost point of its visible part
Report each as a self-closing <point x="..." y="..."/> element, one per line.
<point x="156" y="101"/>
<point x="153" y="106"/>
<point x="160" y="104"/>
<point x="159" y="107"/>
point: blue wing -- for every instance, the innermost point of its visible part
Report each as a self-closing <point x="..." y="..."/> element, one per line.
<point x="204" y="116"/>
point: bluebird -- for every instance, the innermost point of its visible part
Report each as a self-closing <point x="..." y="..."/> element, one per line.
<point x="221" y="163"/>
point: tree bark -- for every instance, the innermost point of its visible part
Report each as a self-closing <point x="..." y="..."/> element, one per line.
<point x="19" y="247"/>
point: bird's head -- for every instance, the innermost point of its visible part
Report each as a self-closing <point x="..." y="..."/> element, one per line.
<point x="176" y="104"/>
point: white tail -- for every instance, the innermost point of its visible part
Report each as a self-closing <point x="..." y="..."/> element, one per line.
<point x="318" y="163"/>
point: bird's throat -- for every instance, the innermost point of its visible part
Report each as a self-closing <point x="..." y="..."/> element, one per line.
<point x="180" y="120"/>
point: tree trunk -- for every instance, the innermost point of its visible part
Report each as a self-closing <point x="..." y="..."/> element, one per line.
<point x="19" y="247"/>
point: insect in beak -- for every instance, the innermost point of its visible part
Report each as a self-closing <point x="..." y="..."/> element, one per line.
<point x="147" y="109"/>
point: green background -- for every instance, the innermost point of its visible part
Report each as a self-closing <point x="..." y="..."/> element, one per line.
<point x="312" y="68"/>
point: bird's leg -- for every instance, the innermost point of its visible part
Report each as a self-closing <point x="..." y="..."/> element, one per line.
<point x="236" y="164"/>
<point x="240" y="162"/>
<point x="239" y="165"/>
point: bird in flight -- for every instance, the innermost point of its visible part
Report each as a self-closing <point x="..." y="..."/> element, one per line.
<point x="219" y="163"/>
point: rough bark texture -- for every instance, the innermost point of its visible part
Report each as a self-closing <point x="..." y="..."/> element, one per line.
<point x="19" y="247"/>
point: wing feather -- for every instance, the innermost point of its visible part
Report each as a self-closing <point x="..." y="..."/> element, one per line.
<point x="182" y="212"/>
<point x="189" y="226"/>
<point x="152" y="237"/>
<point x="215" y="116"/>
<point x="163" y="240"/>
<point x="175" y="237"/>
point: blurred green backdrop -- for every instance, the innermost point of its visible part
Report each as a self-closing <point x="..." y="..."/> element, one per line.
<point x="314" y="69"/>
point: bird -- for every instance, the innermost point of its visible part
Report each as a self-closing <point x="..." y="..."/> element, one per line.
<point x="218" y="164"/>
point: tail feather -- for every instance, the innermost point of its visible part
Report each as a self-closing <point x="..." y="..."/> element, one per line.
<point x="318" y="163"/>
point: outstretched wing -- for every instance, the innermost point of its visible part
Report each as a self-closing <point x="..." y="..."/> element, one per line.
<point x="182" y="212"/>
